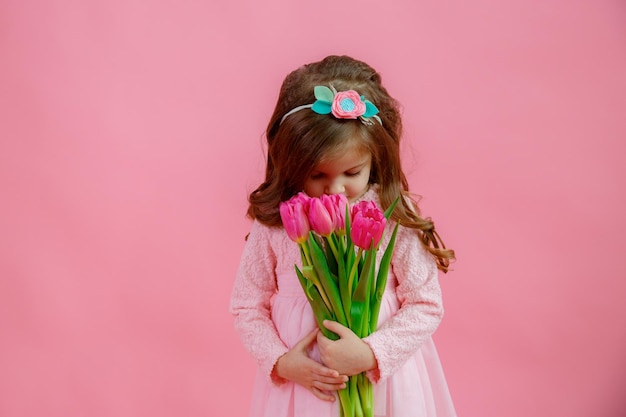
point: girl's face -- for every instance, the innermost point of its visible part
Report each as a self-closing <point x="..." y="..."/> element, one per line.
<point x="348" y="173"/>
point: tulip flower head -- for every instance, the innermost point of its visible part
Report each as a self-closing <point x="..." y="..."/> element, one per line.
<point x="294" y="216"/>
<point x="336" y="205"/>
<point x="321" y="216"/>
<point x="368" y="224"/>
<point x="303" y="198"/>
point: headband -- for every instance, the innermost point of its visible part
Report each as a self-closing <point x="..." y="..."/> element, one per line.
<point x="342" y="105"/>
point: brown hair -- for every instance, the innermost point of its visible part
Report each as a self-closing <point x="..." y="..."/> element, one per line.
<point x="300" y="142"/>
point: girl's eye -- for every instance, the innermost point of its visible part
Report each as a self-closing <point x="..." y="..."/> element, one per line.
<point x="353" y="174"/>
<point x="316" y="176"/>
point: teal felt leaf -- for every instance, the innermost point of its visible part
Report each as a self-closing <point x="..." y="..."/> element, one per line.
<point x="370" y="109"/>
<point x="323" y="93"/>
<point x="321" y="107"/>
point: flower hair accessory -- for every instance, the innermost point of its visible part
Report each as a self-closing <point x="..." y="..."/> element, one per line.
<point x="342" y="105"/>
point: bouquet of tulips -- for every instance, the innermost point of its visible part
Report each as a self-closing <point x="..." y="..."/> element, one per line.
<point x="338" y="246"/>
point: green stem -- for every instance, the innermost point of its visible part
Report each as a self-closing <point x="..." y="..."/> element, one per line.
<point x="355" y="401"/>
<point x="366" y="393"/>
<point x="306" y="255"/>
<point x="353" y="271"/>
<point x="344" y="401"/>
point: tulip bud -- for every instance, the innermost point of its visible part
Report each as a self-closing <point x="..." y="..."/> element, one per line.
<point x="336" y="206"/>
<point x="293" y="215"/>
<point x="301" y="197"/>
<point x="368" y="224"/>
<point x="320" y="218"/>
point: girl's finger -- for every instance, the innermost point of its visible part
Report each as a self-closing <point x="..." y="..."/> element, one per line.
<point x="334" y="379"/>
<point x="328" y="387"/>
<point x="322" y="395"/>
<point x="335" y="327"/>
<point x="307" y="340"/>
<point x="331" y="377"/>
<point x="323" y="371"/>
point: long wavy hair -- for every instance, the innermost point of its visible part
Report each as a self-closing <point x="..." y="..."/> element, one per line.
<point x="304" y="139"/>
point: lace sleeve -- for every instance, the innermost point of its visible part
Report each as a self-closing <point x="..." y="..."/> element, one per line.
<point x="254" y="286"/>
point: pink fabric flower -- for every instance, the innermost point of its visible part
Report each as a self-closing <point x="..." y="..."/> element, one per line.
<point x="368" y="224"/>
<point x="347" y="105"/>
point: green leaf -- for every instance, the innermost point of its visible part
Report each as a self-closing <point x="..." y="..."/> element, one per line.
<point x="323" y="93"/>
<point x="326" y="280"/>
<point x="370" y="109"/>
<point x="320" y="311"/>
<point x="381" y="279"/>
<point x="344" y="290"/>
<point x="358" y="312"/>
<point x="330" y="257"/>
<point x="391" y="207"/>
<point x="361" y="297"/>
<point x="321" y="107"/>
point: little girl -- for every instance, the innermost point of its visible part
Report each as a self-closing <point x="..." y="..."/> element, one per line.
<point x="321" y="149"/>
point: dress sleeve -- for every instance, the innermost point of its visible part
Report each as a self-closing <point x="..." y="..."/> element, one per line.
<point x="420" y="312"/>
<point x="254" y="286"/>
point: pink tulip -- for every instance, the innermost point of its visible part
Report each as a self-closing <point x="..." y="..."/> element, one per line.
<point x="321" y="217"/>
<point x="301" y="197"/>
<point x="293" y="215"/>
<point x="336" y="206"/>
<point x="368" y="224"/>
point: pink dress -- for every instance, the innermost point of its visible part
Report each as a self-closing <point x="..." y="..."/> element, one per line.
<point x="272" y="314"/>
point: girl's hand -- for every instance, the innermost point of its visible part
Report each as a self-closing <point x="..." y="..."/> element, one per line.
<point x="349" y="355"/>
<point x="297" y="366"/>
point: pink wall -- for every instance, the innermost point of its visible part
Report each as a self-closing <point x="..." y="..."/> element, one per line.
<point x="130" y="135"/>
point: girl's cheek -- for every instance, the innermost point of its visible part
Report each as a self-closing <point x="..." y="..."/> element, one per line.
<point x="313" y="190"/>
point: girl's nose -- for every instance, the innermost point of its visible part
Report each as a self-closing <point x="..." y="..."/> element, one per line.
<point x="335" y="187"/>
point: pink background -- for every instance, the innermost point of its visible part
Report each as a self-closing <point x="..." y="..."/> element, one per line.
<point x="130" y="135"/>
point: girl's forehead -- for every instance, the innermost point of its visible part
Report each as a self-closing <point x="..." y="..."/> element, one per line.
<point x="349" y="158"/>
<point x="353" y="145"/>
